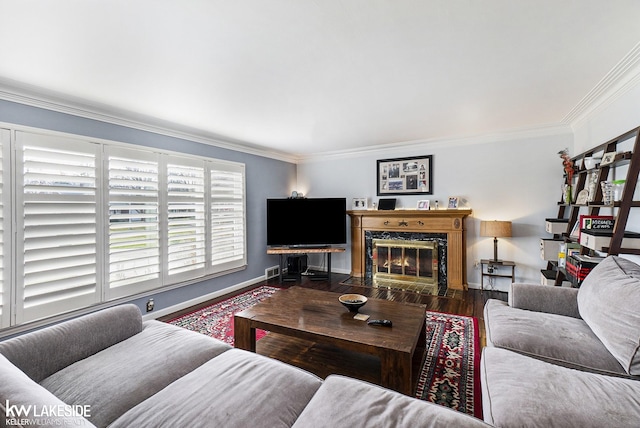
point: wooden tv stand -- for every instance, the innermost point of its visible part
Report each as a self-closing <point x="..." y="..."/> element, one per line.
<point x="283" y="251"/>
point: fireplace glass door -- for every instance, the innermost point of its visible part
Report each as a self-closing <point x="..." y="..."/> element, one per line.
<point x="405" y="260"/>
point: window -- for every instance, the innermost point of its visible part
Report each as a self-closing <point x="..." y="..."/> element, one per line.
<point x="134" y="223"/>
<point x="227" y="216"/>
<point x="186" y="222"/>
<point x="97" y="221"/>
<point x="57" y="225"/>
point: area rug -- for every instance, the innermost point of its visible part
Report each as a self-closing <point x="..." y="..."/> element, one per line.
<point x="216" y="320"/>
<point x="450" y="375"/>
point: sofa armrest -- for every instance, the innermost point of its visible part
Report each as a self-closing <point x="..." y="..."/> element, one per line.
<point x="22" y="402"/>
<point x="43" y="352"/>
<point x="542" y="298"/>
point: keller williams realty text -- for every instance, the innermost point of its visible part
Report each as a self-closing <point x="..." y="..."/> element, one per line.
<point x="47" y="414"/>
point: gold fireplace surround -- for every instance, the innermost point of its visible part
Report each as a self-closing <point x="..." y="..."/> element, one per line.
<point x="411" y="261"/>
<point x="450" y="222"/>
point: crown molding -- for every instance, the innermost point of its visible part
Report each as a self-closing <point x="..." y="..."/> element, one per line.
<point x="543" y="130"/>
<point x="37" y="97"/>
<point x="619" y="80"/>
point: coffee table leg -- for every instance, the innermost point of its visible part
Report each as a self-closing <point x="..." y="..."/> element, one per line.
<point x="395" y="370"/>
<point x="244" y="336"/>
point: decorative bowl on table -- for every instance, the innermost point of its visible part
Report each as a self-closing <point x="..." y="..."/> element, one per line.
<point x="353" y="302"/>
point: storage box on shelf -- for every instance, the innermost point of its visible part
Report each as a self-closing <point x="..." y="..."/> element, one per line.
<point x="598" y="240"/>
<point x="556" y="226"/>
<point x="607" y="162"/>
<point x="549" y="248"/>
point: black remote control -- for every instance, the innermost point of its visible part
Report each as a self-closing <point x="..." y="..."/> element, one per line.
<point x="383" y="323"/>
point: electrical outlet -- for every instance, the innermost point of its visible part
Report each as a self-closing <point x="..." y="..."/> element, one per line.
<point x="150" y="305"/>
<point x="476" y="264"/>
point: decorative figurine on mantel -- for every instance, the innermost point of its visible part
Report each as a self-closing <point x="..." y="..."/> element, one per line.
<point x="569" y="170"/>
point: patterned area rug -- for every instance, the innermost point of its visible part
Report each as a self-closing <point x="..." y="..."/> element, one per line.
<point x="451" y="372"/>
<point x="217" y="320"/>
<point x="450" y="375"/>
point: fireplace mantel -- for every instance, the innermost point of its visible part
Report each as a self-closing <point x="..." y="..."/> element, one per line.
<point x="450" y="222"/>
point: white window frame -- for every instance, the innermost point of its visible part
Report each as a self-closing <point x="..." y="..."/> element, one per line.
<point x="236" y="260"/>
<point x="198" y="222"/>
<point x="148" y="159"/>
<point x="6" y="253"/>
<point x="11" y="139"/>
<point x="44" y="306"/>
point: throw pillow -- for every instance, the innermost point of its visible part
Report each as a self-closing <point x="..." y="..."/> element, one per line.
<point x="608" y="301"/>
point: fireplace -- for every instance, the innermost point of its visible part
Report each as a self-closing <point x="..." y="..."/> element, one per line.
<point x="405" y="261"/>
<point x="442" y="231"/>
<point x="415" y="261"/>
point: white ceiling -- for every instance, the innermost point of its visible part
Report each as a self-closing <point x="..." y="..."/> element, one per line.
<point x="305" y="77"/>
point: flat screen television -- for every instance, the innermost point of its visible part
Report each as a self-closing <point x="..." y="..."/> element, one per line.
<point x="306" y="222"/>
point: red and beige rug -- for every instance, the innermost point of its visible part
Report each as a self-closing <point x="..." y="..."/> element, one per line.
<point x="450" y="375"/>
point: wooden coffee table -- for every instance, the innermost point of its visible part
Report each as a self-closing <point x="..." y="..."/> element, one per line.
<point x="317" y="316"/>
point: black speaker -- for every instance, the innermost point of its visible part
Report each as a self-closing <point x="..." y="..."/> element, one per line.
<point x="296" y="264"/>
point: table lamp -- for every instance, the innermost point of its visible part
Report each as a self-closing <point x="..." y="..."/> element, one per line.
<point x="497" y="229"/>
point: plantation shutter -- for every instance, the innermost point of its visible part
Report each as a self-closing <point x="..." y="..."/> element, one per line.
<point x="57" y="225"/>
<point x="5" y="283"/>
<point x="134" y="232"/>
<point x="227" y="207"/>
<point x="186" y="244"/>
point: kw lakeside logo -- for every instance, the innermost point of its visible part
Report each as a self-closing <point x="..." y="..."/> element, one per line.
<point x="35" y="415"/>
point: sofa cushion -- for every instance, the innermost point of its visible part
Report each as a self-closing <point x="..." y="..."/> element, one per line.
<point x="554" y="338"/>
<point x="609" y="302"/>
<point x="22" y="402"/>
<point x="125" y="374"/>
<point x="345" y="402"/>
<point x="43" y="352"/>
<point x="236" y="389"/>
<point x="519" y="391"/>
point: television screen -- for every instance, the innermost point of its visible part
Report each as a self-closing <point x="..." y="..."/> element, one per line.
<point x="306" y="222"/>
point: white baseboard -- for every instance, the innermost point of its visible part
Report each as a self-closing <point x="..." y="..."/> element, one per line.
<point x="198" y="300"/>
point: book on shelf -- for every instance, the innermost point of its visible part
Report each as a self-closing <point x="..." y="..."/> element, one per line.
<point x="594" y="222"/>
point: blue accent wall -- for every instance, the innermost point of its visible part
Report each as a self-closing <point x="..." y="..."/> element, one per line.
<point x="265" y="178"/>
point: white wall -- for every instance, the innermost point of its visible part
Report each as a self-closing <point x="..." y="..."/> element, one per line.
<point x="515" y="178"/>
<point x="618" y="112"/>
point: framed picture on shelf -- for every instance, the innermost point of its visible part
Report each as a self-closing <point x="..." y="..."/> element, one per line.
<point x="423" y="205"/>
<point x="405" y="176"/>
<point x="453" y="203"/>
<point x="608" y="158"/>
<point x="359" y="204"/>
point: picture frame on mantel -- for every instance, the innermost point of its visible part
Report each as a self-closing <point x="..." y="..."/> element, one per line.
<point x="359" y="204"/>
<point x="405" y="176"/>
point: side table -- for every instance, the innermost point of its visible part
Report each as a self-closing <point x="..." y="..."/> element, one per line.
<point x="488" y="267"/>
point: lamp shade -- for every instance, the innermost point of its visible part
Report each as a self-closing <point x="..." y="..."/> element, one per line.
<point x="497" y="229"/>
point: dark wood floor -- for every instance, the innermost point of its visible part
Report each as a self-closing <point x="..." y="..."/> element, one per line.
<point x="469" y="303"/>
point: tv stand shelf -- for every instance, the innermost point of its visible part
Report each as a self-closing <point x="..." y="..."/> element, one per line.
<point x="283" y="251"/>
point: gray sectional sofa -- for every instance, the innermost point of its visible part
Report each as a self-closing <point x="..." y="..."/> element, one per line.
<point x="112" y="369"/>
<point x="565" y="357"/>
<point x="555" y="357"/>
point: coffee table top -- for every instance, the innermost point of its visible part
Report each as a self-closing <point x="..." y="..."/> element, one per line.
<point x="312" y="314"/>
